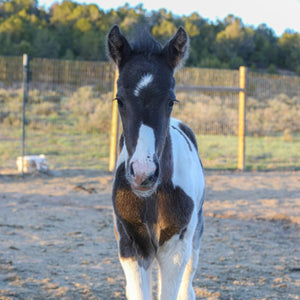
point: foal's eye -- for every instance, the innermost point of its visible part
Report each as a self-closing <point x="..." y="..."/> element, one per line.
<point x="172" y="102"/>
<point x="120" y="102"/>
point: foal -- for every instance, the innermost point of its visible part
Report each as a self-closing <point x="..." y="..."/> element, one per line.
<point x="159" y="185"/>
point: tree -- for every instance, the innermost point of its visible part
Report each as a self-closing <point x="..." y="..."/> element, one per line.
<point x="165" y="29"/>
<point x="265" y="50"/>
<point x="45" y="44"/>
<point x="78" y="31"/>
<point x="289" y="50"/>
<point x="62" y="13"/>
<point x="235" y="41"/>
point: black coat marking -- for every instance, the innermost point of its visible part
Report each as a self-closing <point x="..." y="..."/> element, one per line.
<point x="181" y="133"/>
<point x="189" y="133"/>
<point x="146" y="223"/>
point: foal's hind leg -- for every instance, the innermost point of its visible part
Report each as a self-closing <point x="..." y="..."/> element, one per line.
<point x="186" y="291"/>
<point x="172" y="257"/>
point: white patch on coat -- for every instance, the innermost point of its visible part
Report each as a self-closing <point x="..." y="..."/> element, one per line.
<point x="138" y="280"/>
<point x="122" y="156"/>
<point x="143" y="83"/>
<point x="142" y="158"/>
<point x="177" y="258"/>
<point x="187" y="172"/>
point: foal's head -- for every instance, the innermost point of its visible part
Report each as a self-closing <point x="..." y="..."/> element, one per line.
<point x="145" y="98"/>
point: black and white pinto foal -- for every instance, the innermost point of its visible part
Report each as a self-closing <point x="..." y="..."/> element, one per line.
<point x="159" y="185"/>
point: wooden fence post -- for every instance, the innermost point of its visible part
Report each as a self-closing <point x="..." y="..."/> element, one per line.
<point x="114" y="128"/>
<point x="242" y="118"/>
<point x="25" y="96"/>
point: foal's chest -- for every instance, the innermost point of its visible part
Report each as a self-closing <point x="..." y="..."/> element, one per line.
<point x="163" y="214"/>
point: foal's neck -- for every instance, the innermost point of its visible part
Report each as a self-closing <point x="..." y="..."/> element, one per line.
<point x="166" y="160"/>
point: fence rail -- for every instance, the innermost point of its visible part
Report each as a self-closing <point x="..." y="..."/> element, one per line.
<point x="68" y="114"/>
<point x="199" y="88"/>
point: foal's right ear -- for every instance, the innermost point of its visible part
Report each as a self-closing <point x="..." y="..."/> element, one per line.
<point x="117" y="45"/>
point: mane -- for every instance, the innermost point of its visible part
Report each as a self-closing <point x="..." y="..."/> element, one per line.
<point x="144" y="43"/>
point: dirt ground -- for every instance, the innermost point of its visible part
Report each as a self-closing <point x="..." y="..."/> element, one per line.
<point x="57" y="241"/>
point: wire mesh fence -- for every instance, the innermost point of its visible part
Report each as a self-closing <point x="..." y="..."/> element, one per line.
<point x="272" y="117"/>
<point x="214" y="109"/>
<point x="67" y="112"/>
<point x="273" y="121"/>
<point x="69" y="109"/>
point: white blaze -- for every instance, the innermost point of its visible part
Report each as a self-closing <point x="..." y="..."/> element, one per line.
<point x="142" y="158"/>
<point x="144" y="82"/>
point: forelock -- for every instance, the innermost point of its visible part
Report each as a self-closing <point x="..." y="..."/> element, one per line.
<point x="144" y="43"/>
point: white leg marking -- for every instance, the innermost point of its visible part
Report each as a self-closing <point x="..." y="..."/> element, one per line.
<point x="172" y="257"/>
<point x="186" y="291"/>
<point x="144" y="82"/>
<point x="138" y="280"/>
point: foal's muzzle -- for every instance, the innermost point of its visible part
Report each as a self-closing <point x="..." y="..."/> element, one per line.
<point x="143" y="177"/>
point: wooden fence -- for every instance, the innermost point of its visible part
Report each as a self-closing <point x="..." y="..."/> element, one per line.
<point x="241" y="90"/>
<point x="76" y="96"/>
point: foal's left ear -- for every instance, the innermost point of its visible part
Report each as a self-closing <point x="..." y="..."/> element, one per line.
<point x="176" y="50"/>
<point x="117" y="45"/>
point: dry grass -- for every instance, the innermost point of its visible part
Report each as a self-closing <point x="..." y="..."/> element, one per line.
<point x="74" y="130"/>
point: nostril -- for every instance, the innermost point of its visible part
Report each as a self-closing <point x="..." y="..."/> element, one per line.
<point x="148" y="181"/>
<point x="156" y="171"/>
<point x="151" y="179"/>
<point x="131" y="170"/>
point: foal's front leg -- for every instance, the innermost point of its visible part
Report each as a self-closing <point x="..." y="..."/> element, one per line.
<point x="138" y="279"/>
<point x="173" y="258"/>
<point x="136" y="262"/>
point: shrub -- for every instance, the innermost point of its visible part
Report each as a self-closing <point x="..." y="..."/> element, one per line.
<point x="272" y="69"/>
<point x="12" y="120"/>
<point x="236" y="62"/>
<point x="208" y="115"/>
<point x="89" y="111"/>
<point x="288" y="135"/>
<point x="99" y="120"/>
<point x="82" y="102"/>
<point x="273" y="115"/>
<point x="45" y="109"/>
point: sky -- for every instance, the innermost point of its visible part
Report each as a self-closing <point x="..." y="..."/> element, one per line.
<point x="276" y="14"/>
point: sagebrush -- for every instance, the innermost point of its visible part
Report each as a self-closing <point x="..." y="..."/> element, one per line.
<point x="88" y="111"/>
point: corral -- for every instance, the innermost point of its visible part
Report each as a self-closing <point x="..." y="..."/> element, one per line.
<point x="56" y="231"/>
<point x="57" y="240"/>
<point x="68" y="110"/>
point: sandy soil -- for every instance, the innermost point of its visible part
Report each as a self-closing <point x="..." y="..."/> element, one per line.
<point x="57" y="242"/>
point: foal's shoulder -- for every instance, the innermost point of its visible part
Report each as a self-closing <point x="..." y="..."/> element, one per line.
<point x="184" y="130"/>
